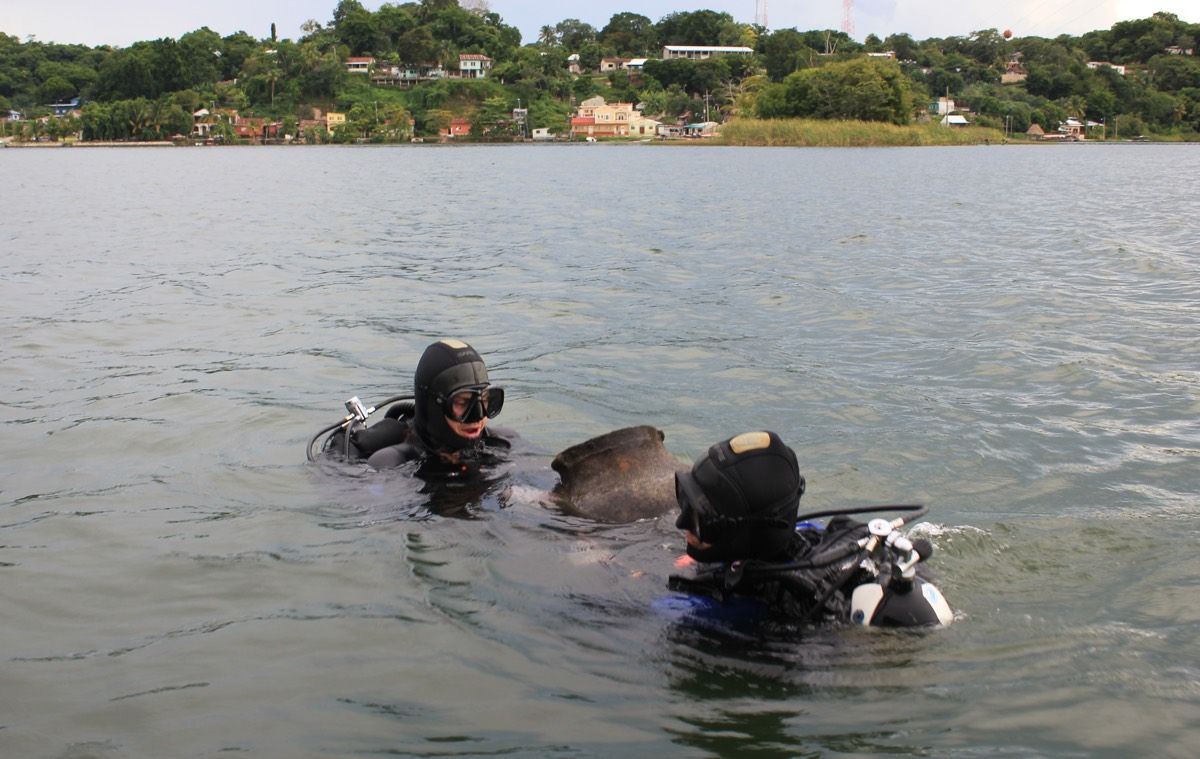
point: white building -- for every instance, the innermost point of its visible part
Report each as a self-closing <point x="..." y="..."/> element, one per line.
<point x="1099" y="64"/>
<point x="698" y="52"/>
<point x="473" y="65"/>
<point x="942" y="106"/>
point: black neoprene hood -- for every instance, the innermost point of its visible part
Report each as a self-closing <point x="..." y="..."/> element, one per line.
<point x="445" y="366"/>
<point x="744" y="494"/>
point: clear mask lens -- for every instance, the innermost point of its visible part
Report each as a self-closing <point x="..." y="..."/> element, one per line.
<point x="473" y="404"/>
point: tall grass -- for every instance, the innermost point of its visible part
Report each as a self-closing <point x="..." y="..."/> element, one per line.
<point x="822" y="133"/>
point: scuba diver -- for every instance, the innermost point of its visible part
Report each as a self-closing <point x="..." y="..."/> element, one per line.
<point x="738" y="504"/>
<point x="443" y="425"/>
<point x="738" y="508"/>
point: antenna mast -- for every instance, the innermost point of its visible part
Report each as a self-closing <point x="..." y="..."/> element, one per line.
<point x="760" y="13"/>
<point x="847" y="16"/>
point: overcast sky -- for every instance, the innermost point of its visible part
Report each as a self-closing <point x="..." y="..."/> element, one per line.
<point x="92" y="23"/>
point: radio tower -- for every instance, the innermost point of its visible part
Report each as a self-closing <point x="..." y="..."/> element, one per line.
<point x="760" y="13"/>
<point x="847" y="17"/>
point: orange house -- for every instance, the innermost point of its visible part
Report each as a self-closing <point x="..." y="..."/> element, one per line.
<point x="458" y="128"/>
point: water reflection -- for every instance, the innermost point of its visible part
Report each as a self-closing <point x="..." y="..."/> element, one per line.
<point x="768" y="691"/>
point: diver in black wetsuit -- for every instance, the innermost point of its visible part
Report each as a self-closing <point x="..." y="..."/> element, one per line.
<point x="738" y="508"/>
<point x="446" y="426"/>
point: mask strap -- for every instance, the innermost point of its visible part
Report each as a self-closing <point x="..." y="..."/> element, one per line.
<point x="697" y="502"/>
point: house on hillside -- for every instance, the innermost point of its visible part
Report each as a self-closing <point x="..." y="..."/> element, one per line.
<point x="1073" y="129"/>
<point x="254" y="129"/>
<point x="942" y="106"/>
<point x="703" y="129"/>
<point x="643" y="126"/>
<point x="1105" y="64"/>
<point x="954" y="120"/>
<point x="202" y="124"/>
<point x="470" y="66"/>
<point x="589" y="127"/>
<point x="582" y="126"/>
<point x="459" y="127"/>
<point x="1014" y="72"/>
<point x="700" y="52"/>
<point x="473" y="65"/>
<point x="64" y="108"/>
<point x="604" y="112"/>
<point x="406" y="74"/>
<point x="597" y="118"/>
<point x="359" y="64"/>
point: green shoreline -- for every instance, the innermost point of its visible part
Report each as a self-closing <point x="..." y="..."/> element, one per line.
<point x="740" y="132"/>
<point x="826" y="133"/>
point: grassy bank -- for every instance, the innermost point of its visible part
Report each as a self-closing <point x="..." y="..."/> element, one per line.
<point x="819" y="133"/>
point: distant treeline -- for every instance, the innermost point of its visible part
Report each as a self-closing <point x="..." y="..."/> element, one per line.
<point x="150" y="89"/>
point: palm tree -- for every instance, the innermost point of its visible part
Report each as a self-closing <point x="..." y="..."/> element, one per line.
<point x="156" y="116"/>
<point x="136" y="116"/>
<point x="1076" y="106"/>
<point x="273" y="72"/>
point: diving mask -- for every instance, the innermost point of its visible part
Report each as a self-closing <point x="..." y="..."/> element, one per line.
<point x="471" y="404"/>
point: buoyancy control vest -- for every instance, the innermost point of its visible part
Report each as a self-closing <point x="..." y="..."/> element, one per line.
<point x="813" y="583"/>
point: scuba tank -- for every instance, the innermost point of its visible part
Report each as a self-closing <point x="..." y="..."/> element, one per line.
<point x="899" y="598"/>
<point x="916" y="604"/>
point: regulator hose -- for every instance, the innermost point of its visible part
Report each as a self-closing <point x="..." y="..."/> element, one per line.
<point x="920" y="510"/>
<point x="836" y="552"/>
<point x="347" y="423"/>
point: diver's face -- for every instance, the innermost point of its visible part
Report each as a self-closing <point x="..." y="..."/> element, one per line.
<point x="460" y="403"/>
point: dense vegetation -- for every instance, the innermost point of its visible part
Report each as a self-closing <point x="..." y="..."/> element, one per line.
<point x="150" y="89"/>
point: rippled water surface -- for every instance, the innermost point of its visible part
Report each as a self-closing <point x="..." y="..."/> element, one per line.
<point x="1007" y="334"/>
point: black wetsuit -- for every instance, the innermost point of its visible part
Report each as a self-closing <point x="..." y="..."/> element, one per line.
<point x="810" y="581"/>
<point x="455" y="485"/>
<point x="392" y="442"/>
<point x="490" y="449"/>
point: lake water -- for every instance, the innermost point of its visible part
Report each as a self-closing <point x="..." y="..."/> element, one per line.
<point x="1007" y="334"/>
